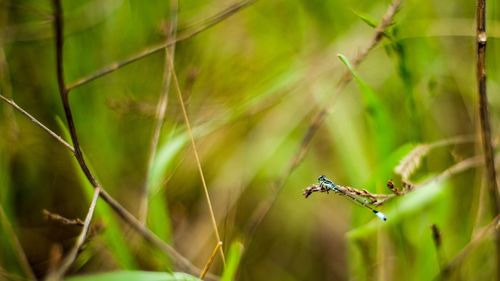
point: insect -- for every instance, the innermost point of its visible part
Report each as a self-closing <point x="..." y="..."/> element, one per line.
<point x="328" y="184"/>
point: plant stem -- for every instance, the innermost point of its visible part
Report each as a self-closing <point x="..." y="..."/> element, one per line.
<point x="484" y="118"/>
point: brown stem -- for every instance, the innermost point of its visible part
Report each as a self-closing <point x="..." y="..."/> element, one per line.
<point x="62" y="220"/>
<point x="484" y="118"/>
<point x="483" y="106"/>
<point x="63" y="91"/>
<point x="210" y="260"/>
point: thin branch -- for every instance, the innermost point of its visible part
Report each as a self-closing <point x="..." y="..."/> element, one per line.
<point x="34" y="120"/>
<point x="210" y="260"/>
<point x="318" y="120"/>
<point x="18" y="249"/>
<point x="63" y="91"/>
<point x="70" y="258"/>
<point x="197" y="157"/>
<point x="160" y="114"/>
<point x="379" y="199"/>
<point x="233" y="9"/>
<point x="484" y="118"/>
<point x="371" y="198"/>
<point x="62" y="220"/>
<point x="455" y="169"/>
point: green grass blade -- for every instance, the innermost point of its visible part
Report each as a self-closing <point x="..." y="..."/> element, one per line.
<point x="370" y="21"/>
<point x="234" y="257"/>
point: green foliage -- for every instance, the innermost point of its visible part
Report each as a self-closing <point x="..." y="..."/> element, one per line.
<point x="233" y="261"/>
<point x="252" y="84"/>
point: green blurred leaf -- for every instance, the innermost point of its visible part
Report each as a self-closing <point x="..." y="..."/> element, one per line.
<point x="159" y="223"/>
<point x="384" y="171"/>
<point x="165" y="156"/>
<point x="383" y="130"/>
<point x="170" y="148"/>
<point x="135" y="276"/>
<point x="235" y="252"/>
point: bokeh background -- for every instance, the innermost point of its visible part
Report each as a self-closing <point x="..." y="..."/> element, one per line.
<point x="252" y="85"/>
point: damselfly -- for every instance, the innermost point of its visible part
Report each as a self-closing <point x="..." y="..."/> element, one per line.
<point x="328" y="184"/>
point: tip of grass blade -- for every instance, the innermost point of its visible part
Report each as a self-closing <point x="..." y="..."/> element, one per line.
<point x="345" y="61"/>
<point x="366" y="18"/>
<point x="349" y="66"/>
<point x="234" y="257"/>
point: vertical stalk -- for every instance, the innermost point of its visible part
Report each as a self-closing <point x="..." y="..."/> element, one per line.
<point x="489" y="158"/>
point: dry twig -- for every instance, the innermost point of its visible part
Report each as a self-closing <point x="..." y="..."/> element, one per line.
<point x="62" y="220"/>
<point x="34" y="120"/>
<point x="484" y="118"/>
<point x="210" y="260"/>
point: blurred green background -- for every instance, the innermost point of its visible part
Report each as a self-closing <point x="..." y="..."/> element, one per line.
<point x="252" y="85"/>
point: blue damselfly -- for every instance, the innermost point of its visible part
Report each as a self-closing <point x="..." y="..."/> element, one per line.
<point x="329" y="185"/>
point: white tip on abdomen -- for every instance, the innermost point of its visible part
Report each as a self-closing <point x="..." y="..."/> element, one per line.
<point x="380" y="215"/>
